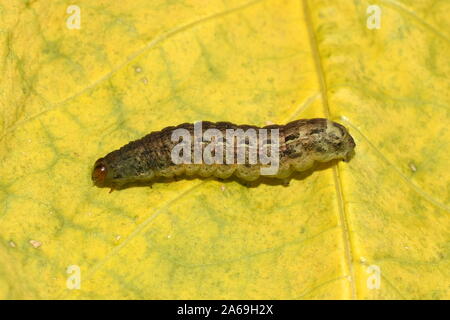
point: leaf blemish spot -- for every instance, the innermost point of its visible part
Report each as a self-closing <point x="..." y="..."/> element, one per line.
<point x="412" y="166"/>
<point x="36" y="244"/>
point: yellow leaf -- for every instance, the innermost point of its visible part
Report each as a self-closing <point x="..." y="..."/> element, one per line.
<point x="80" y="83"/>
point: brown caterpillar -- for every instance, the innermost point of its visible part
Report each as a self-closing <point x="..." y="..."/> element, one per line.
<point x="298" y="145"/>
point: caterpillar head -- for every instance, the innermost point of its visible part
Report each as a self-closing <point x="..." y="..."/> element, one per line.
<point x="100" y="173"/>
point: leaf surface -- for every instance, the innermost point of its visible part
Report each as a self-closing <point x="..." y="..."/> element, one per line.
<point x="69" y="96"/>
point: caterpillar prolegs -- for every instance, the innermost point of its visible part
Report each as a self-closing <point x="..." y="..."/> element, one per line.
<point x="223" y="149"/>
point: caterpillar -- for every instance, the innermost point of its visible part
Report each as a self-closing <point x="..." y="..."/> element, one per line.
<point x="292" y="147"/>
